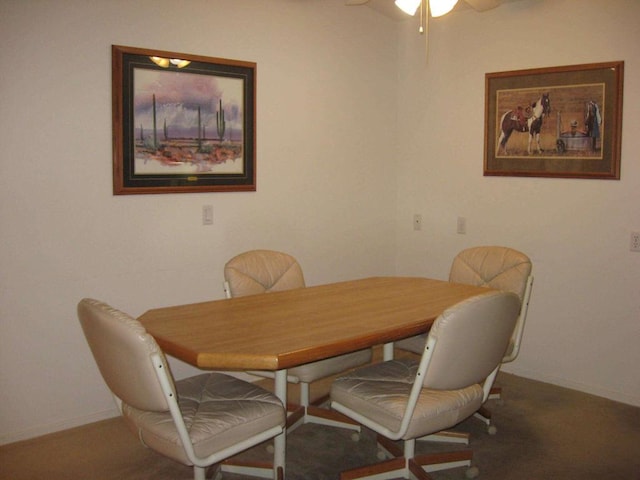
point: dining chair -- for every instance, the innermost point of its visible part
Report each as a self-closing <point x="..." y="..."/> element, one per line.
<point x="496" y="267"/>
<point x="198" y="421"/>
<point x="405" y="399"/>
<point x="264" y="271"/>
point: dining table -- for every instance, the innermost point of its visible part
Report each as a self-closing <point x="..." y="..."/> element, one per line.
<point x="280" y="330"/>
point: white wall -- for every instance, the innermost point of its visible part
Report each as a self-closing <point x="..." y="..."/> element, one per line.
<point x="583" y="325"/>
<point x="326" y="108"/>
<point x="347" y="153"/>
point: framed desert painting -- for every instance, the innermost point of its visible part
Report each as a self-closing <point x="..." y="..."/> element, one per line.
<point x="182" y="122"/>
<point x="554" y="122"/>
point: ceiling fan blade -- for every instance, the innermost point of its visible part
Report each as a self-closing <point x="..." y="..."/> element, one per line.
<point x="355" y="2"/>
<point x="482" y="5"/>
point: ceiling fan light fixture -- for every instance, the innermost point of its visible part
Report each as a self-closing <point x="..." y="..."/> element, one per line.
<point x="178" y="62"/>
<point x="167" y="62"/>
<point x="441" y="7"/>
<point x="160" y="61"/>
<point x="408" y="6"/>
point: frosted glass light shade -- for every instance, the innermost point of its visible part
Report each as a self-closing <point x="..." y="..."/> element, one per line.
<point x="441" y="7"/>
<point x="160" y="61"/>
<point x="179" y="62"/>
<point x="166" y="62"/>
<point x="408" y="6"/>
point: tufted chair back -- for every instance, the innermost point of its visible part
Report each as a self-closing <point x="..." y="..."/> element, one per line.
<point x="261" y="271"/>
<point x="123" y="349"/>
<point x="501" y="268"/>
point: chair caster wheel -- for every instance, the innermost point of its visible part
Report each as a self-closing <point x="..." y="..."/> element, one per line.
<point x="270" y="448"/>
<point x="492" y="430"/>
<point x="472" y="472"/>
<point x="355" y="436"/>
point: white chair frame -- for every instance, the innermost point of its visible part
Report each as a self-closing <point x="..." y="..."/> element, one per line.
<point x="409" y="445"/>
<point x="483" y="414"/>
<point x="200" y="464"/>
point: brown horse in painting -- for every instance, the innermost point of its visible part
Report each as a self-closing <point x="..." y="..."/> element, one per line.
<point x="524" y="120"/>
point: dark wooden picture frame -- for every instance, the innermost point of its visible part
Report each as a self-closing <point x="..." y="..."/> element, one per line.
<point x="576" y="112"/>
<point x="182" y="123"/>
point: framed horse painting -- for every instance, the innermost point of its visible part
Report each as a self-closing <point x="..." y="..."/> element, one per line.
<point x="182" y="123"/>
<point x="554" y="122"/>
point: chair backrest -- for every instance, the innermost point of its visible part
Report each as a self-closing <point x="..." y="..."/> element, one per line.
<point x="467" y="341"/>
<point x="261" y="271"/>
<point x="501" y="268"/>
<point x="123" y="350"/>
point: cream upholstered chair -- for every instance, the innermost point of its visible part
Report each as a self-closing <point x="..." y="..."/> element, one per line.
<point x="197" y="421"/>
<point x="404" y="399"/>
<point x="263" y="271"/>
<point x="501" y="268"/>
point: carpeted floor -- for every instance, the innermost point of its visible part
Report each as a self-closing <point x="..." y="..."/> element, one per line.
<point x="544" y="432"/>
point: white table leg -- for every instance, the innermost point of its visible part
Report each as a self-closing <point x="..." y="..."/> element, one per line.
<point x="280" y="442"/>
<point x="387" y="351"/>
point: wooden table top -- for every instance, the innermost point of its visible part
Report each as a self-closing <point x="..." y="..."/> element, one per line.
<point x="284" y="329"/>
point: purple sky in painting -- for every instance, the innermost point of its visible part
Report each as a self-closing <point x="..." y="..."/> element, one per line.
<point x="178" y="96"/>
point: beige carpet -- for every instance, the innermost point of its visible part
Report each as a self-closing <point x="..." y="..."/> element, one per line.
<point x="544" y="432"/>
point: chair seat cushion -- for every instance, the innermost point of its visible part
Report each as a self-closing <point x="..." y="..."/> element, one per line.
<point x="414" y="344"/>
<point x="310" y="372"/>
<point x="381" y="391"/>
<point x="218" y="411"/>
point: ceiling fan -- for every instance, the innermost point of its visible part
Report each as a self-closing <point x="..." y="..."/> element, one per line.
<point x="437" y="7"/>
<point x="404" y="9"/>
